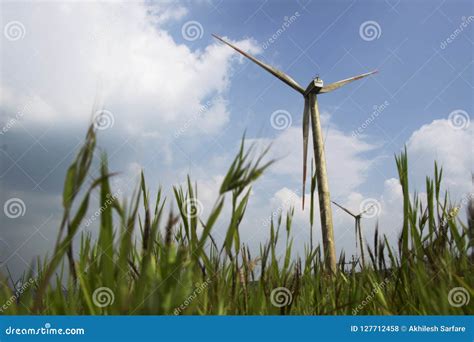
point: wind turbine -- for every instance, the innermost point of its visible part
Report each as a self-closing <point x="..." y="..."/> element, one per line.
<point x="358" y="228"/>
<point x="311" y="109"/>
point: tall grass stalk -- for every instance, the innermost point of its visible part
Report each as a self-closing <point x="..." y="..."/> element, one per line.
<point x="177" y="267"/>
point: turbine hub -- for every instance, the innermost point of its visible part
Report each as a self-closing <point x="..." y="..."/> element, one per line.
<point x="314" y="86"/>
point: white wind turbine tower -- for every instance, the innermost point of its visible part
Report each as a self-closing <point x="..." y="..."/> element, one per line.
<point x="311" y="110"/>
<point x="358" y="228"/>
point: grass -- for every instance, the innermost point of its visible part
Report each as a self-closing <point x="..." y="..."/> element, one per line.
<point x="176" y="267"/>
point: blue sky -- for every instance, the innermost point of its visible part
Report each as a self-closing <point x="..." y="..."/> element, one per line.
<point x="420" y="80"/>
<point x="153" y="77"/>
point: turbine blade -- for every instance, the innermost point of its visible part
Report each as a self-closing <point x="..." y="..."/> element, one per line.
<point x="346" y="210"/>
<point x="338" y="84"/>
<point x="275" y="72"/>
<point x="305" y="142"/>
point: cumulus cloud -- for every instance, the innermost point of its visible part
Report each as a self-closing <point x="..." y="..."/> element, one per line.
<point x="440" y="141"/>
<point x="451" y="147"/>
<point x="128" y="58"/>
<point x="435" y="141"/>
<point x="73" y="52"/>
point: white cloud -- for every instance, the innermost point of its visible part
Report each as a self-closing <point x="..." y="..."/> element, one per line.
<point x="451" y="148"/>
<point x="439" y="141"/>
<point x="74" y="52"/>
<point x="167" y="10"/>
<point x="123" y="55"/>
<point x="435" y="141"/>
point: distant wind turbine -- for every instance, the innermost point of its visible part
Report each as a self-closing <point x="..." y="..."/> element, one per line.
<point x="311" y="109"/>
<point x="358" y="228"/>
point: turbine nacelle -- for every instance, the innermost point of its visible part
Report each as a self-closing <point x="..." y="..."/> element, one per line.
<point x="314" y="86"/>
<point x="318" y="82"/>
